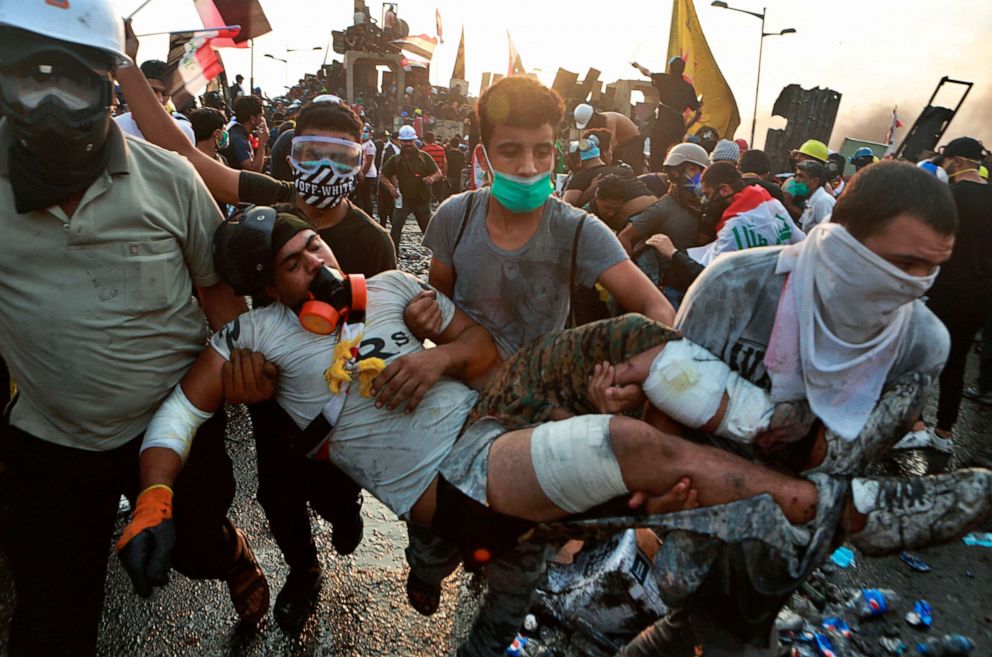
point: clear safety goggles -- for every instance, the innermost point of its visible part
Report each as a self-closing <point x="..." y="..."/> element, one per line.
<point x="583" y="145"/>
<point x="75" y="87"/>
<point x="310" y="153"/>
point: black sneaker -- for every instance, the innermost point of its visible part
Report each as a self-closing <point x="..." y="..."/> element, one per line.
<point x="298" y="598"/>
<point x="346" y="534"/>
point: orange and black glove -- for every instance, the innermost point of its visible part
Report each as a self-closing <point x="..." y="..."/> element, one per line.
<point x="145" y="547"/>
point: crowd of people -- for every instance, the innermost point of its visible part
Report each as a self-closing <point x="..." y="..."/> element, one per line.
<point x="663" y="327"/>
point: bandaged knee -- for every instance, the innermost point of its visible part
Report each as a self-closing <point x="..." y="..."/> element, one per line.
<point x="174" y="424"/>
<point x="687" y="383"/>
<point x="575" y="464"/>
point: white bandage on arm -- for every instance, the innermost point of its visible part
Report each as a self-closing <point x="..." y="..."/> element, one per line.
<point x="687" y="383"/>
<point x="575" y="464"/>
<point x="174" y="424"/>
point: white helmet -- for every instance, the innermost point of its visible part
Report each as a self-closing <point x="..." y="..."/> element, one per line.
<point x="407" y="133"/>
<point x="93" y="23"/>
<point x="583" y="114"/>
<point x="682" y="153"/>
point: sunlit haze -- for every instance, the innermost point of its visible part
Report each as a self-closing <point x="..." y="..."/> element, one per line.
<point x="876" y="54"/>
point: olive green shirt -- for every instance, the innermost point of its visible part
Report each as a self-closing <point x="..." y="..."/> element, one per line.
<point x="97" y="319"/>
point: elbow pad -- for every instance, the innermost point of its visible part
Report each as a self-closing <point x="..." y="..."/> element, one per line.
<point x="174" y="424"/>
<point x="687" y="383"/>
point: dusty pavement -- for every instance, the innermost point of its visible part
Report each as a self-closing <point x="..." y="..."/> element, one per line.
<point x="363" y="610"/>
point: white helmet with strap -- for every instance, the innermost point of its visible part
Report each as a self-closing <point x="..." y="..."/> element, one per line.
<point x="92" y="23"/>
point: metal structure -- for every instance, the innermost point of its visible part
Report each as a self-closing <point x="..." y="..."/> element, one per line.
<point x="931" y="124"/>
<point x="810" y="114"/>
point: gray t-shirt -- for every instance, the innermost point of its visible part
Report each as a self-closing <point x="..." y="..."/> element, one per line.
<point x="522" y="294"/>
<point x="392" y="454"/>
<point x="730" y="311"/>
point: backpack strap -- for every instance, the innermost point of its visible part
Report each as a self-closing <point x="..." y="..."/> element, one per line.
<point x="573" y="272"/>
<point x="461" y="229"/>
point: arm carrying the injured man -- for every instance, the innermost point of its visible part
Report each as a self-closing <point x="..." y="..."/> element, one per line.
<point x="464" y="351"/>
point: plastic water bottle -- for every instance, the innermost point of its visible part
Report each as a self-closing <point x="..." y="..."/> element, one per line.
<point x="867" y="603"/>
<point x="949" y="644"/>
<point x="517" y="648"/>
<point x="398" y="203"/>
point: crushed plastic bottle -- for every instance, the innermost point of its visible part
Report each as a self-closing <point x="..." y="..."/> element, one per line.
<point x="949" y="644"/>
<point x="868" y="603"/>
<point x="838" y="625"/>
<point x="519" y="646"/>
<point x="893" y="645"/>
<point x="914" y="562"/>
<point x="921" y="616"/>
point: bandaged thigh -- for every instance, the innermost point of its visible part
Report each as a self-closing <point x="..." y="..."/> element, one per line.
<point x="575" y="464"/>
<point x="687" y="383"/>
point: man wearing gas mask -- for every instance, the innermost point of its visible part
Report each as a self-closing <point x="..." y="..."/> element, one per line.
<point x="104" y="236"/>
<point x="325" y="158"/>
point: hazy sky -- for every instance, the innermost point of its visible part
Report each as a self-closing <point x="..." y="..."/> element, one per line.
<point x="876" y="53"/>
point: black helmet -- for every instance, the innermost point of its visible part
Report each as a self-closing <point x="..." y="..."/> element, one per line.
<point x="243" y="249"/>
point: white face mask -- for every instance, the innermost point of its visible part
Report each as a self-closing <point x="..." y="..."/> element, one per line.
<point x="858" y="292"/>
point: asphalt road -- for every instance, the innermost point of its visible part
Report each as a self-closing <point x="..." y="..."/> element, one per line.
<point x="363" y="610"/>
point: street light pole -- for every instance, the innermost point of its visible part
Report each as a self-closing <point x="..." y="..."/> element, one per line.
<point x="757" y="82"/>
<point x="761" y="45"/>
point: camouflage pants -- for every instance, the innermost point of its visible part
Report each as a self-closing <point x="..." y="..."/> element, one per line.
<point x="551" y="371"/>
<point x="546" y="374"/>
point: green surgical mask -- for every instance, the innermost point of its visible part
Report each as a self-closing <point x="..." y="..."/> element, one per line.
<point x="797" y="189"/>
<point x="518" y="194"/>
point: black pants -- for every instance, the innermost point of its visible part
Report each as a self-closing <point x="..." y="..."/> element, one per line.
<point x="288" y="481"/>
<point x="668" y="130"/>
<point x="422" y="213"/>
<point x="963" y="315"/>
<point x="386" y="205"/>
<point x="61" y="522"/>
<point x="366" y="190"/>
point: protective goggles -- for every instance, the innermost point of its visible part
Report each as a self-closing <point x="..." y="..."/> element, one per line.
<point x="31" y="84"/>
<point x="583" y="145"/>
<point x="308" y="154"/>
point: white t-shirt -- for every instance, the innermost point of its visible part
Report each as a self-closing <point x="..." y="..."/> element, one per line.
<point x="392" y="454"/>
<point x="127" y="123"/>
<point x="819" y="206"/>
<point x="368" y="148"/>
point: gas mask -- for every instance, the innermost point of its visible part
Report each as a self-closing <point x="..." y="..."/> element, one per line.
<point x="58" y="102"/>
<point x="333" y="298"/>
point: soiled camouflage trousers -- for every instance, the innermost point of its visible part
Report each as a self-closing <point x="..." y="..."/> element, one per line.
<point x="548" y="373"/>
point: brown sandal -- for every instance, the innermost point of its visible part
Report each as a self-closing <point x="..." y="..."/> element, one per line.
<point x="247" y="584"/>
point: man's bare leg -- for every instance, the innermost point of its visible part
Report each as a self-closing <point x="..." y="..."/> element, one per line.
<point x="649" y="461"/>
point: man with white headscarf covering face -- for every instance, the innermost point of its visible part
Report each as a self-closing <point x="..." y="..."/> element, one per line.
<point x="835" y="330"/>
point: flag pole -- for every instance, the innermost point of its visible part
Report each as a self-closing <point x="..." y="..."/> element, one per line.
<point x="198" y="30"/>
<point x="140" y="7"/>
<point x="251" y="76"/>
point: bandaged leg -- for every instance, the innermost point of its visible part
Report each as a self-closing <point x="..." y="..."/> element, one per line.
<point x="575" y="464"/>
<point x="688" y="383"/>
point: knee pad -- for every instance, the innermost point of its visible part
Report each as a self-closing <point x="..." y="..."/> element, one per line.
<point x="687" y="383"/>
<point x="575" y="464"/>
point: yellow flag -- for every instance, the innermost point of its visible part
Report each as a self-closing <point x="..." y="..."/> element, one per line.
<point x="686" y="40"/>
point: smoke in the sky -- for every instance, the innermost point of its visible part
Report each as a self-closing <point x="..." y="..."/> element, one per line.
<point x="870" y="122"/>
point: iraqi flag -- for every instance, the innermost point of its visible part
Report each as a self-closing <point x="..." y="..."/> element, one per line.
<point x="515" y="65"/>
<point x="421" y="45"/>
<point x="246" y="13"/>
<point x="890" y="134"/>
<point x="193" y="62"/>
